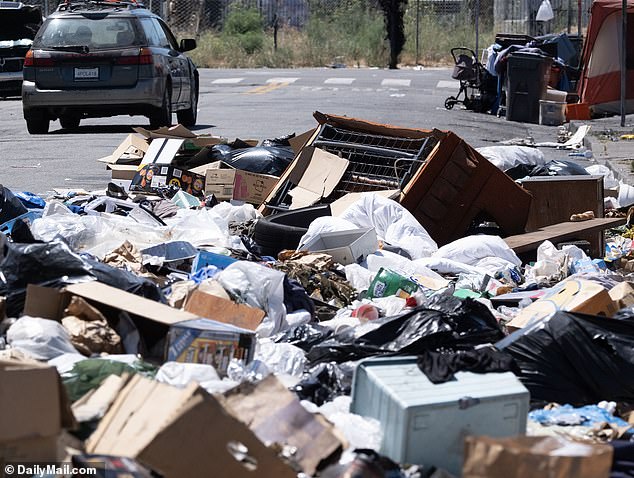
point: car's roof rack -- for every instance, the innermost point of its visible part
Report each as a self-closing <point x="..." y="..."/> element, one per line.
<point x="70" y="5"/>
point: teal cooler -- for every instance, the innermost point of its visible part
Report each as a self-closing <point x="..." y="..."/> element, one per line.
<point x="425" y="423"/>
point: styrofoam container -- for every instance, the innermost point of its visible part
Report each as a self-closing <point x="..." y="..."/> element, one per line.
<point x="425" y="423"/>
<point x="345" y="247"/>
<point x="552" y="113"/>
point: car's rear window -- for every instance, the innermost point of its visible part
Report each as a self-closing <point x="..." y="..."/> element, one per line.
<point x="95" y="33"/>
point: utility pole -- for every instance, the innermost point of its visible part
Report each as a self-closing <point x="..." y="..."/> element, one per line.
<point x="624" y="63"/>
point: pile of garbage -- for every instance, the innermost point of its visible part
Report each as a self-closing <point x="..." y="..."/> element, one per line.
<point x="321" y="305"/>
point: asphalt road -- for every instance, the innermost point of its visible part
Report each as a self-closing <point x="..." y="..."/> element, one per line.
<point x="252" y="104"/>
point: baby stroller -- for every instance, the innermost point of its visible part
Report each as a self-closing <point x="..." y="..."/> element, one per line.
<point x="478" y="87"/>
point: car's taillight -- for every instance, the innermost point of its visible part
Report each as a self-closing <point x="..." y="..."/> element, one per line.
<point x="144" y="57"/>
<point x="28" y="59"/>
<point x="37" y="61"/>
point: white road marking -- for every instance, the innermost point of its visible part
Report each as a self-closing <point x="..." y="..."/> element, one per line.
<point x="453" y="84"/>
<point x="227" y="81"/>
<point x="339" y="81"/>
<point x="395" y="82"/>
<point x="282" y="80"/>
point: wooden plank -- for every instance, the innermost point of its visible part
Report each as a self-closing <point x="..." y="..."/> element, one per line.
<point x="559" y="232"/>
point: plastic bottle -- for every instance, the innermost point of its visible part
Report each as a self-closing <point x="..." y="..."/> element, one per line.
<point x="581" y="154"/>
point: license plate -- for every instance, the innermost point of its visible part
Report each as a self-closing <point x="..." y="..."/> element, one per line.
<point x="86" y="73"/>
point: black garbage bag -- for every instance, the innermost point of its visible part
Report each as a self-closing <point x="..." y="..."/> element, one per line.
<point x="125" y="280"/>
<point x="447" y="322"/>
<point x="279" y="141"/>
<point x="304" y="336"/>
<point x="53" y="264"/>
<point x="555" y="167"/>
<point x="575" y="358"/>
<point x="271" y="160"/>
<point x="324" y="382"/>
<point x="296" y="298"/>
<point x="10" y="206"/>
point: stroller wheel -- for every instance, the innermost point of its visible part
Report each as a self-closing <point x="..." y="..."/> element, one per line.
<point x="450" y="102"/>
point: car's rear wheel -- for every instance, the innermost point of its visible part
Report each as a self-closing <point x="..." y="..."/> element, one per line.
<point x="188" y="117"/>
<point x="163" y="115"/>
<point x="37" y="121"/>
<point x="69" y="121"/>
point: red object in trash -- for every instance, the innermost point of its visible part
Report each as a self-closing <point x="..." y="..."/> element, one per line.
<point x="366" y="311"/>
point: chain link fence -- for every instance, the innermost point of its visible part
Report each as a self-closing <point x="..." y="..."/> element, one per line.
<point x="432" y="27"/>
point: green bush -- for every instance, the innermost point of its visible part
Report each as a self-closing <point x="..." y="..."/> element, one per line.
<point x="246" y="28"/>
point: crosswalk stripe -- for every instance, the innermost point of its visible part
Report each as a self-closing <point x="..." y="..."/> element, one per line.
<point x="282" y="80"/>
<point x="339" y="81"/>
<point x="453" y="84"/>
<point x="395" y="82"/>
<point x="227" y="81"/>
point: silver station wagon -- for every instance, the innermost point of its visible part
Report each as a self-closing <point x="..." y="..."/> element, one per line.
<point x="99" y="59"/>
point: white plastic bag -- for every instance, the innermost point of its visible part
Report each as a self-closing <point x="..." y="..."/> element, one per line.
<point x="281" y="358"/>
<point x="545" y="12"/>
<point x="393" y="224"/>
<point x="473" y="249"/>
<point x="507" y="157"/>
<point x="609" y="181"/>
<point x="260" y="287"/>
<point x="42" y="339"/>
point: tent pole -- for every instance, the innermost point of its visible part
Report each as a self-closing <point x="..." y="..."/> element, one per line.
<point x="623" y="62"/>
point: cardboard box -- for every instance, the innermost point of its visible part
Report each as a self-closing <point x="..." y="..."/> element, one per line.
<point x="210" y="342"/>
<point x="123" y="174"/>
<point x="252" y="187"/>
<point x="345" y="247"/>
<point x="33" y="411"/>
<point x="570" y="295"/>
<point x="521" y="457"/>
<point x="182" y="433"/>
<point x="152" y="319"/>
<point x="152" y="177"/>
<point x="275" y="415"/>
<point x="623" y="295"/>
<point x="130" y="151"/>
<point x="223" y="310"/>
<point x="219" y="182"/>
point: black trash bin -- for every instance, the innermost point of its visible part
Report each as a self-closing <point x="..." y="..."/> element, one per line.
<point x="527" y="80"/>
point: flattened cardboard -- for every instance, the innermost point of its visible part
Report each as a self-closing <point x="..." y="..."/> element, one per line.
<point x="176" y="131"/>
<point x="570" y="295"/>
<point x="299" y="141"/>
<point x="223" y="310"/>
<point x="162" y="151"/>
<point x="322" y="173"/>
<point x="179" y="131"/>
<point x="252" y="187"/>
<point x="181" y="433"/>
<point x="344" y="202"/>
<point x="133" y="304"/>
<point x="130" y="151"/>
<point x="275" y="416"/>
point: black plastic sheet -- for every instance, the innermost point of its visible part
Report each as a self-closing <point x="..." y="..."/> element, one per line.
<point x="304" y="336"/>
<point x="552" y="168"/>
<point x="575" y="358"/>
<point x="10" y="206"/>
<point x="324" y="382"/>
<point x="445" y="323"/>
